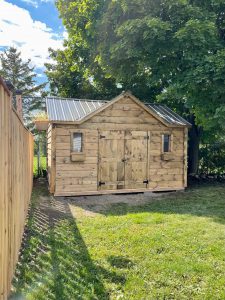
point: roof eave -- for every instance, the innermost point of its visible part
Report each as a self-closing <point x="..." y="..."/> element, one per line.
<point x="81" y="121"/>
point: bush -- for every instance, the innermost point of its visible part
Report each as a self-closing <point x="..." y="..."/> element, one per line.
<point x="212" y="158"/>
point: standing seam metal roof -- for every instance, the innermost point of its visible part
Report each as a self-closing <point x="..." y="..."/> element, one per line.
<point x="71" y="110"/>
<point x="168" y="115"/>
<point x="62" y="109"/>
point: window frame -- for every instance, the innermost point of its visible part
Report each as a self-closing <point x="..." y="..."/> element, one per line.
<point x="82" y="142"/>
<point x="170" y="142"/>
<point x="77" y="156"/>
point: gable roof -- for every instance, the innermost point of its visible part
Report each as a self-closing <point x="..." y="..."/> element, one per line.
<point x="64" y="110"/>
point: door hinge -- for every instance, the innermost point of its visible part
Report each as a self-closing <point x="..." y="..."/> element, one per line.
<point x="146" y="137"/>
<point x="101" y="183"/>
<point x="146" y="181"/>
<point x="102" y="136"/>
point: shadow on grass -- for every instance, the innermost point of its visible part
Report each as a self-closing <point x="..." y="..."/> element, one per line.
<point x="54" y="261"/>
<point x="202" y="201"/>
<point x="120" y="262"/>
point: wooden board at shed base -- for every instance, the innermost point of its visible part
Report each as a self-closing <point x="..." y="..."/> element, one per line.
<point x="112" y="192"/>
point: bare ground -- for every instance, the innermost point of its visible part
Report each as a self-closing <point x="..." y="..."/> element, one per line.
<point x="95" y="205"/>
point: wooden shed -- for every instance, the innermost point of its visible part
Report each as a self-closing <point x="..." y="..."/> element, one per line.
<point x="117" y="146"/>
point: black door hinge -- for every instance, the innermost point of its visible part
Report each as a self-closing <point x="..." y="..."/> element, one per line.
<point x="146" y="181"/>
<point x="146" y="137"/>
<point x="101" y="183"/>
<point x="102" y="136"/>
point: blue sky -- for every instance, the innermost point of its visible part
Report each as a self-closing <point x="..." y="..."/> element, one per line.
<point x="32" y="26"/>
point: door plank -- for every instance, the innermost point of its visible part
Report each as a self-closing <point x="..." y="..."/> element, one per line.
<point x="123" y="159"/>
<point x="136" y="155"/>
<point x="111" y="165"/>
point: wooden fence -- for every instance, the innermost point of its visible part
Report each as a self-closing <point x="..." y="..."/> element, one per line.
<point x="16" y="178"/>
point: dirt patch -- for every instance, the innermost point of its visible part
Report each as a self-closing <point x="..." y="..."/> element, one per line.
<point x="91" y="206"/>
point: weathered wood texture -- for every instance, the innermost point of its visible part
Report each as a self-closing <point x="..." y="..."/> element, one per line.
<point x="51" y="157"/>
<point x="130" y="133"/>
<point x="16" y="178"/>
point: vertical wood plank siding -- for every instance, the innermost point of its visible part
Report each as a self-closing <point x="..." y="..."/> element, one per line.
<point x="16" y="178"/>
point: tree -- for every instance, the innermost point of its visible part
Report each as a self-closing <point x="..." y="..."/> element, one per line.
<point x="67" y="78"/>
<point x="162" y="50"/>
<point x="178" y="45"/>
<point x="20" y="73"/>
<point x="22" y="76"/>
<point x="75" y="73"/>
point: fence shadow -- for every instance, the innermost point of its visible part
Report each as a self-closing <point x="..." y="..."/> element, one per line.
<point x="54" y="262"/>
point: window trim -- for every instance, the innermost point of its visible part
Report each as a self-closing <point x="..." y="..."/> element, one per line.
<point x="77" y="156"/>
<point x="170" y="142"/>
<point x="82" y="141"/>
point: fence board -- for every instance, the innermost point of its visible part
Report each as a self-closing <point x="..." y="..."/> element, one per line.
<point x="16" y="178"/>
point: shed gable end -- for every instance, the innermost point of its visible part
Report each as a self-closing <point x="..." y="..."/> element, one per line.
<point x="125" y="111"/>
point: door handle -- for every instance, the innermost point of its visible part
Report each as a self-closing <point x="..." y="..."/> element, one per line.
<point x="124" y="160"/>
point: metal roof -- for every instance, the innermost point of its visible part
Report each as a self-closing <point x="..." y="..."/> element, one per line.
<point x="168" y="115"/>
<point x="70" y="110"/>
<point x="63" y="109"/>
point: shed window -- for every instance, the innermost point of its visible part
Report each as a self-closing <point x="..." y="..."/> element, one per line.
<point x="166" y="143"/>
<point x="77" y="145"/>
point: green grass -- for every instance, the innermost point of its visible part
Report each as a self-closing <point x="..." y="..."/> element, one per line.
<point x="35" y="164"/>
<point x="173" y="248"/>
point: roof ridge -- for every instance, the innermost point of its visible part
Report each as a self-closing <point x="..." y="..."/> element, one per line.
<point x="152" y="103"/>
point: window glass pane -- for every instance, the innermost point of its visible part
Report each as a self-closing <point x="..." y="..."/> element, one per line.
<point x="166" y="143"/>
<point x="77" y="142"/>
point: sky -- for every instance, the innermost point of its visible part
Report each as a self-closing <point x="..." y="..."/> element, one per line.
<point x="32" y="26"/>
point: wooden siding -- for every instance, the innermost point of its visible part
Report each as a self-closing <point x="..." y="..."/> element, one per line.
<point x="166" y="174"/>
<point x="52" y="158"/>
<point x="49" y="153"/>
<point x="74" y="177"/>
<point x="16" y="178"/>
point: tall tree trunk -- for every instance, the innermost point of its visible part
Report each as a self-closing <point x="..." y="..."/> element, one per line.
<point x="193" y="148"/>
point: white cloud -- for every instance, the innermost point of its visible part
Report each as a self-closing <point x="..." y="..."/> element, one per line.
<point x="32" y="38"/>
<point x="52" y="1"/>
<point x="36" y="3"/>
<point x="31" y="2"/>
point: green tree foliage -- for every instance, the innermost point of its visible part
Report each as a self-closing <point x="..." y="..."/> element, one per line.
<point x="69" y="77"/>
<point x="20" y="73"/>
<point x="212" y="157"/>
<point x="22" y="76"/>
<point x="170" y="51"/>
<point x="76" y="73"/>
<point x="177" y="45"/>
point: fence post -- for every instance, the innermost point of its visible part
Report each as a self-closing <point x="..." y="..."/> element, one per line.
<point x="38" y="156"/>
<point x="19" y="106"/>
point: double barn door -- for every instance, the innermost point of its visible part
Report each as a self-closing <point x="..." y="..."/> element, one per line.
<point x="123" y="160"/>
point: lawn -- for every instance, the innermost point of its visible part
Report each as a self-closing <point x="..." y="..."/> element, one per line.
<point x="171" y="247"/>
<point x="43" y="163"/>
